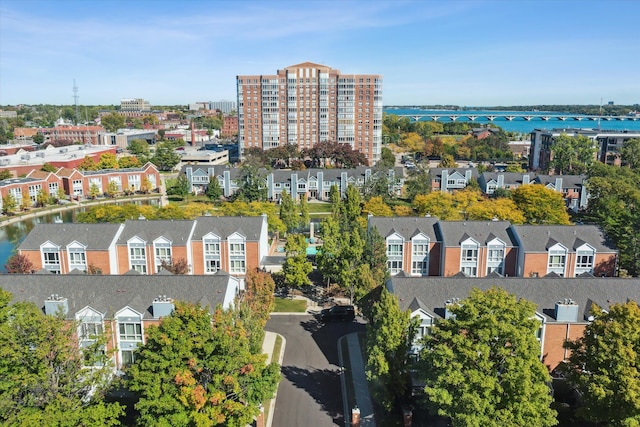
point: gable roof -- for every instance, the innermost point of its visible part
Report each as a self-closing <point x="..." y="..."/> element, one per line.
<point x="109" y="294"/>
<point x="224" y="226"/>
<point x="407" y="227"/>
<point x="177" y="231"/>
<point x="95" y="237"/>
<point x="432" y="292"/>
<point x="535" y="238"/>
<point x="453" y="232"/>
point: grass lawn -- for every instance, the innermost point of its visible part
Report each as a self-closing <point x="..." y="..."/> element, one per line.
<point x="319" y="208"/>
<point x="274" y="358"/>
<point x="285" y="305"/>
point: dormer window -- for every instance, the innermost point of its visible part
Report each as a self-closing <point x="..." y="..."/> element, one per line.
<point x="469" y="258"/>
<point x="237" y="254"/>
<point x="585" y="256"/>
<point x="211" y="244"/>
<point x="395" y="245"/>
<point x="51" y="257"/>
<point x="495" y="256"/>
<point x="137" y="255"/>
<point x="77" y="257"/>
<point x="162" y="252"/>
<point x="420" y="255"/>
<point x="557" y="260"/>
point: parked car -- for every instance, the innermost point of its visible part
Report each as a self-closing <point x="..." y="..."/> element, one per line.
<point x="340" y="313"/>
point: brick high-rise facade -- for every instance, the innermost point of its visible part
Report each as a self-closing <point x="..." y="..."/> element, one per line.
<point x="308" y="103"/>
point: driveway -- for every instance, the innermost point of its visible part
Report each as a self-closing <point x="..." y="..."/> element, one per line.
<point x="309" y="393"/>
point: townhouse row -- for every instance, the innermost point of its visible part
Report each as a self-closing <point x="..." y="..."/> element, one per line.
<point x="310" y="183"/>
<point x="426" y="246"/>
<point x="122" y="307"/>
<point x="207" y="244"/>
<point x="77" y="184"/>
<point x="572" y="187"/>
<point x="563" y="306"/>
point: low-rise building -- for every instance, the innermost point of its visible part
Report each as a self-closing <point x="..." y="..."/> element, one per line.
<point x="451" y="179"/>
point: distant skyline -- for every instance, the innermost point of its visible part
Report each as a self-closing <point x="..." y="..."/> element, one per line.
<point x="458" y="52"/>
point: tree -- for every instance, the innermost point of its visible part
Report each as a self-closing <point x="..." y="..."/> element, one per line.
<point x="175" y="266"/>
<point x="630" y="153"/>
<point x="19" y="264"/>
<point x="296" y="267"/>
<point x="572" y="154"/>
<point x="44" y="376"/>
<point x="482" y="364"/>
<point x="165" y="157"/>
<point x="107" y="161"/>
<point x="42" y="197"/>
<point x="179" y="187"/>
<point x="303" y="208"/>
<point x="145" y="185"/>
<point x="5" y="174"/>
<point x="214" y="191"/>
<point x="259" y="294"/>
<point x="125" y="162"/>
<point x="38" y="138"/>
<point x="253" y="185"/>
<point x="288" y="211"/>
<point x="87" y="164"/>
<point x="437" y="204"/>
<point x="197" y="369"/>
<point x="502" y="209"/>
<point x="387" y="159"/>
<point x="540" y="205"/>
<point x="419" y="182"/>
<point x="447" y="161"/>
<point x="113" y="189"/>
<point x="8" y="203"/>
<point x="603" y="366"/>
<point x="388" y="343"/>
<point x="351" y="205"/>
<point x="48" y="167"/>
<point x="139" y="147"/>
<point x="376" y="206"/>
<point x="112" y="122"/>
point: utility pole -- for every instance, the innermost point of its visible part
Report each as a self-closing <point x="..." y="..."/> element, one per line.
<point x="75" y="99"/>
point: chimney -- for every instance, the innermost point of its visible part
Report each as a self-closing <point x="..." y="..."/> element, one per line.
<point x="500" y="181"/>
<point x="162" y="306"/>
<point x="525" y="179"/>
<point x="54" y="304"/>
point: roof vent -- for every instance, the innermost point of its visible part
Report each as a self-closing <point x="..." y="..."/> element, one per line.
<point x="566" y="310"/>
<point x="449" y="303"/>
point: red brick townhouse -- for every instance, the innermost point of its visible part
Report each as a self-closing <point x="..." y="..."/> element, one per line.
<point x="122" y="307"/>
<point x="563" y="305"/>
<point x="426" y="246"/>
<point x="208" y="244"/>
<point x="29" y="187"/>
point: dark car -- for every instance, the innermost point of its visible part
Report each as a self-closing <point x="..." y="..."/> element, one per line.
<point x="341" y="313"/>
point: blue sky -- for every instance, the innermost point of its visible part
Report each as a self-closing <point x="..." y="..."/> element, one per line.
<point x="462" y="52"/>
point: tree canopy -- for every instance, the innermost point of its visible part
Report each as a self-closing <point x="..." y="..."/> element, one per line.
<point x="603" y="366"/>
<point x="112" y="122"/>
<point x="540" y="205"/>
<point x="482" y="364"/>
<point x="197" y="369"/>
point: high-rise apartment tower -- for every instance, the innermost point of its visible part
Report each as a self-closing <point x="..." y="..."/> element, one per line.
<point x="307" y="103"/>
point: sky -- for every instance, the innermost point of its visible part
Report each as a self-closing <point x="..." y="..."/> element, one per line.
<point x="429" y="52"/>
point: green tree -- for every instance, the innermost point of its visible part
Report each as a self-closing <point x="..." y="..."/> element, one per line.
<point x="253" y="185"/>
<point x="630" y="153"/>
<point x="387" y="346"/>
<point x="94" y="190"/>
<point x="139" y="147"/>
<point x="179" y="187"/>
<point x="336" y="201"/>
<point x="112" y="122"/>
<point x="419" y="182"/>
<point x="8" y="203"/>
<point x="572" y="154"/>
<point x="48" y="167"/>
<point x="112" y="189"/>
<point x="197" y="369"/>
<point x="482" y="365"/>
<point x="288" y="212"/>
<point x="351" y="205"/>
<point x="387" y="159"/>
<point x="214" y="190"/>
<point x="296" y="267"/>
<point x="38" y="138"/>
<point x="125" y="162"/>
<point x="303" y="209"/>
<point x="447" y="161"/>
<point x="107" y="161"/>
<point x="603" y="366"/>
<point x="165" y="157"/>
<point x="44" y="379"/>
<point x="5" y="174"/>
<point x="540" y="205"/>
<point x="328" y="255"/>
<point x="42" y="198"/>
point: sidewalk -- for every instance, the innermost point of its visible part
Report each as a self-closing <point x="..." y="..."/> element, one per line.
<point x="355" y="365"/>
<point x="268" y="346"/>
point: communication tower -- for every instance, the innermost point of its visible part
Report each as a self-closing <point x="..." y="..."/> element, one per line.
<point x="75" y="98"/>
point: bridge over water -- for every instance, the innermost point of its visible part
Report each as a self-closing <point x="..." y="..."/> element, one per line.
<point x="471" y="117"/>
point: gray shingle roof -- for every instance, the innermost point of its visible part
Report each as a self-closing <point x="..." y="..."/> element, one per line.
<point x="536" y="238"/>
<point x="223" y="226"/>
<point x="407" y="227"/>
<point x="94" y="236"/>
<point x="510" y="178"/>
<point x="568" y="181"/>
<point x="430" y="293"/>
<point x="109" y="293"/>
<point x="177" y="231"/>
<point x="454" y="232"/>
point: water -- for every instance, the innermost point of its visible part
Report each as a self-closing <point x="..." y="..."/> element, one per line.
<point x="518" y="124"/>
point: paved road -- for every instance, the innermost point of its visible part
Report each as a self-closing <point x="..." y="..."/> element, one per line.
<point x="309" y="393"/>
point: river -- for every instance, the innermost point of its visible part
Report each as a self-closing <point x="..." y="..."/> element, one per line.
<point x="518" y="124"/>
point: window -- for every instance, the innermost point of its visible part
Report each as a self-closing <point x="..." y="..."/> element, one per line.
<point x="163" y="253"/>
<point x="211" y="254"/>
<point x="585" y="256"/>
<point x="127" y="357"/>
<point x="77" y="187"/>
<point x="90" y="331"/>
<point x="51" y="260"/>
<point x="469" y="258"/>
<point x="237" y="260"/>
<point x="395" y="267"/>
<point x="237" y="266"/>
<point x="557" y="260"/>
<point x="138" y="257"/>
<point x="77" y="259"/>
<point x="236" y="248"/>
<point x="394" y="254"/>
<point x="130" y="331"/>
<point x="495" y="257"/>
<point x="420" y="257"/>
